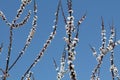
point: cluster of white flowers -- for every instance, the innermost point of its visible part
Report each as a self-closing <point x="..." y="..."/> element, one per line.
<point x="114" y="69"/>
<point x="70" y="25"/>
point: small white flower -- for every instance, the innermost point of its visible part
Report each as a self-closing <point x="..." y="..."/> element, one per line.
<point x="56" y="13"/>
<point x="118" y="42"/>
<point x="71" y="11"/>
<point x="23" y="1"/>
<point x="68" y="17"/>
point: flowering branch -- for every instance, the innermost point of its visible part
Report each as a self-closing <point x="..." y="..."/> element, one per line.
<point x="104" y="49"/>
<point x="71" y="40"/>
<point x="41" y="53"/>
<point x="30" y="36"/>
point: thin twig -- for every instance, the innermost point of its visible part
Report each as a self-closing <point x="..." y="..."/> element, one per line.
<point x="62" y="71"/>
<point x="24" y="21"/>
<point x="20" y="10"/>
<point x="63" y="14"/>
<point x="4" y="18"/>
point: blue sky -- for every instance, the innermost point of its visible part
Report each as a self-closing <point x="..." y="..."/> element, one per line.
<point x="89" y="34"/>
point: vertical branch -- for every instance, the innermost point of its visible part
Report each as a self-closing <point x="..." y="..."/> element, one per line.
<point x="112" y="63"/>
<point x="103" y="35"/>
<point x="46" y="44"/>
<point x="9" y="52"/>
<point x="113" y="68"/>
<point x="71" y="42"/>
<point x="112" y="53"/>
<point x="63" y="14"/>
<point x="1" y="47"/>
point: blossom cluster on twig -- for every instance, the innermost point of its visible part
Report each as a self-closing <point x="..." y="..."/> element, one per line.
<point x="61" y="71"/>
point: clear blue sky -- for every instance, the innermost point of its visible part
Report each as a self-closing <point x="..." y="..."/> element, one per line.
<point x="89" y="34"/>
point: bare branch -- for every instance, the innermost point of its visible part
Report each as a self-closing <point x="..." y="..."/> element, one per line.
<point x="55" y="64"/>
<point x="63" y="14"/>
